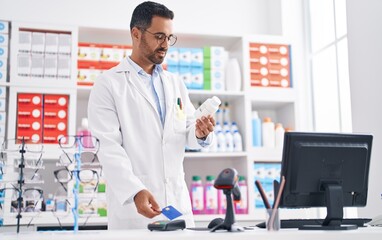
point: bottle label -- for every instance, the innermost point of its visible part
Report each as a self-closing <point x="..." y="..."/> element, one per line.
<point x="211" y="198"/>
<point x="243" y="204"/>
<point x="197" y="198"/>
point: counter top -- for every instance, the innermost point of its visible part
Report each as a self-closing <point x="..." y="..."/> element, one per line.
<point x="370" y="233"/>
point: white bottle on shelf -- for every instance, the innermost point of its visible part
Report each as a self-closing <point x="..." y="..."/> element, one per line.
<point x="209" y="107"/>
<point x="256" y="129"/>
<point x="268" y="130"/>
<point x="219" y="116"/>
<point x="233" y="75"/>
<point x="279" y="135"/>
<point x="221" y="142"/>
<point x="226" y="127"/>
<point x="226" y="113"/>
<point x="229" y="141"/>
<point x="234" y="127"/>
<point x="237" y="142"/>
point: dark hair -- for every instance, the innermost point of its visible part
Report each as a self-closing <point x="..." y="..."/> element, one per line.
<point x="144" y="12"/>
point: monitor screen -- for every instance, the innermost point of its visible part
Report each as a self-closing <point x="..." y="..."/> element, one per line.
<point x="325" y="170"/>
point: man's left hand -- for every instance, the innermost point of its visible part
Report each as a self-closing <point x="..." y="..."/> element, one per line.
<point x="204" y="126"/>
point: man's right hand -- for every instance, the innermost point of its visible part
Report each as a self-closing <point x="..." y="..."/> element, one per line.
<point x="146" y="204"/>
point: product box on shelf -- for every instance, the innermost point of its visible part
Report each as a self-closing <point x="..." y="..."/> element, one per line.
<point x="4" y="38"/>
<point x="269" y="65"/>
<point x="38" y="42"/>
<point x="51" y="43"/>
<point x="4" y="26"/>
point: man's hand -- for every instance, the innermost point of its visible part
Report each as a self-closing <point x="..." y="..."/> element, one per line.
<point x="204" y="126"/>
<point x="146" y="204"/>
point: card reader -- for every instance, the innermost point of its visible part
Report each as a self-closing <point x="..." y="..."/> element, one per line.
<point x="167" y="225"/>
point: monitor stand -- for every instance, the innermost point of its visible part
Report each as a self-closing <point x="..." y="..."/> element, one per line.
<point x="334" y="206"/>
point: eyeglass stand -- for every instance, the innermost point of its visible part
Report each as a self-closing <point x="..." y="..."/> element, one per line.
<point x="77" y="157"/>
<point x="20" y="184"/>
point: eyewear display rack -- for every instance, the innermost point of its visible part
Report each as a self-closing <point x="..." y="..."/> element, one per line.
<point x="21" y="181"/>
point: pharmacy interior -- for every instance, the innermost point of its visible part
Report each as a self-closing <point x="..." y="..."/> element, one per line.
<point x="252" y="80"/>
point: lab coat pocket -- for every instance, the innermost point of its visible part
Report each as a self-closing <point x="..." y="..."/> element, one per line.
<point x="179" y="120"/>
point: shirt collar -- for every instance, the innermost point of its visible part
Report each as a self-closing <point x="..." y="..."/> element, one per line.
<point x="157" y="69"/>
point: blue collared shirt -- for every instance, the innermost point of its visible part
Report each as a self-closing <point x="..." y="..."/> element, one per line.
<point x="154" y="85"/>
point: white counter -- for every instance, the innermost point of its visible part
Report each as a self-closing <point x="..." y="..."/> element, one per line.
<point x="370" y="233"/>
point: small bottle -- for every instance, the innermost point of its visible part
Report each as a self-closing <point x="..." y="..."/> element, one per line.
<point x="268" y="133"/>
<point x="279" y="135"/>
<point x="50" y="203"/>
<point x="242" y="206"/>
<point x="209" y="107"/>
<point x="221" y="142"/>
<point x="210" y="196"/>
<point x="226" y="127"/>
<point x="226" y="113"/>
<point x="218" y="127"/>
<point x="234" y="127"/>
<point x="197" y="192"/>
<point x="256" y="129"/>
<point x="229" y="141"/>
<point x="237" y="142"/>
<point x="84" y="131"/>
<point x="219" y="115"/>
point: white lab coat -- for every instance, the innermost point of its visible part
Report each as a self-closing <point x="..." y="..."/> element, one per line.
<point x="136" y="151"/>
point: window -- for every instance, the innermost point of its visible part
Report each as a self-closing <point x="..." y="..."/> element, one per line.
<point x="329" y="65"/>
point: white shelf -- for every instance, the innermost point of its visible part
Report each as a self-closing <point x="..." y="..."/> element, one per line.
<point x="214" y="154"/>
<point x="265" y="154"/>
<point x="48" y="219"/>
<point x="271" y="97"/>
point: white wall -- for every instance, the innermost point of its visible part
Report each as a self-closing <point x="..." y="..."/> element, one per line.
<point x="238" y="17"/>
<point x="365" y="64"/>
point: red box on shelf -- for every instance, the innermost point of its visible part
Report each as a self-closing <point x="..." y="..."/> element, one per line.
<point x="56" y="100"/>
<point x="55" y="112"/>
<point x="29" y="112"/>
<point x="29" y="99"/>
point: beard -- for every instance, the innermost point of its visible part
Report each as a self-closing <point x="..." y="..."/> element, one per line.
<point x="155" y="56"/>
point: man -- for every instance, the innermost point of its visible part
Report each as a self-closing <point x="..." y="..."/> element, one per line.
<point x="144" y="119"/>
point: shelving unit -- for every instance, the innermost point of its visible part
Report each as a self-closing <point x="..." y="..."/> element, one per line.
<point x="278" y="103"/>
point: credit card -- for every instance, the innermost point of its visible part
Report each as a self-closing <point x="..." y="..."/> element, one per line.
<point x="170" y="212"/>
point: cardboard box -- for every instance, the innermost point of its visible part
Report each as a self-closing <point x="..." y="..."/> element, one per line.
<point x="3" y="75"/>
<point x="4" y="51"/>
<point x="37" y="65"/>
<point x="25" y="41"/>
<point x="29" y="99"/>
<point x="4" y="40"/>
<point x="51" y="43"/>
<point x="64" y="66"/>
<point x="38" y="42"/>
<point x="50" y="66"/>
<point x="65" y="43"/>
<point x="3" y="92"/>
<point x="4" y="27"/>
<point x="56" y="100"/>
<point x="24" y="63"/>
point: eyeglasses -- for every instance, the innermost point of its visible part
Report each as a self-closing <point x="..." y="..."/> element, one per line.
<point x="15" y="145"/>
<point x="161" y="37"/>
<point x="87" y="158"/>
<point x="31" y="199"/>
<point x="87" y="176"/>
<point x="87" y="142"/>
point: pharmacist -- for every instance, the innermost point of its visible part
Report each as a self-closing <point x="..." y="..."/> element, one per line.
<point x="143" y="118"/>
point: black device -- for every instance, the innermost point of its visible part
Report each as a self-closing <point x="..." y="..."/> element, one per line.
<point x="227" y="181"/>
<point x="297" y="223"/>
<point x="166" y="225"/>
<point x="326" y="170"/>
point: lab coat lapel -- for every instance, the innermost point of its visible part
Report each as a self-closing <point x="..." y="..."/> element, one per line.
<point x="168" y="87"/>
<point x="133" y="78"/>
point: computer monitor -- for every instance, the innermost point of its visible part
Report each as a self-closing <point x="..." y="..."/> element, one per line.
<point x="326" y="170"/>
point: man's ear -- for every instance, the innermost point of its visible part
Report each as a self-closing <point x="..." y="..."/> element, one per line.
<point x="135" y="32"/>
